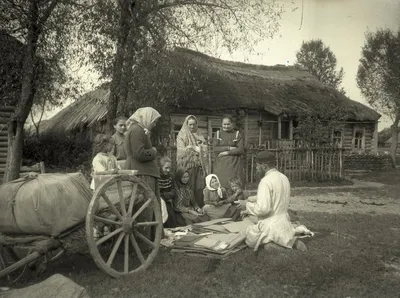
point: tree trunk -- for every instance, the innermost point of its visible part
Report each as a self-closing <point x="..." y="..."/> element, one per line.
<point x="24" y="105"/>
<point x="14" y="153"/>
<point x="395" y="134"/>
<point x="123" y="32"/>
<point x="126" y="78"/>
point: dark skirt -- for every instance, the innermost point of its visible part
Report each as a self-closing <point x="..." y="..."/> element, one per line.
<point x="198" y="183"/>
<point x="175" y="219"/>
<point x="147" y="214"/>
<point x="226" y="167"/>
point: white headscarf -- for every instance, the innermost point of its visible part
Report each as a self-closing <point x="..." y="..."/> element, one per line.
<point x="144" y="117"/>
<point x="208" y="184"/>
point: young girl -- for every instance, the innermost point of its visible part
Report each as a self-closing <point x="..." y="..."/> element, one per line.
<point x="168" y="193"/>
<point x="235" y="194"/>
<point x="185" y="202"/>
<point x="118" y="139"/>
<point x="215" y="203"/>
<point x="103" y="160"/>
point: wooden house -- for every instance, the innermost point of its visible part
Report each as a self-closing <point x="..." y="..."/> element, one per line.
<point x="265" y="101"/>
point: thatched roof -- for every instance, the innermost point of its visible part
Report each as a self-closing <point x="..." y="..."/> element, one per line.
<point x="230" y="85"/>
<point x="276" y="89"/>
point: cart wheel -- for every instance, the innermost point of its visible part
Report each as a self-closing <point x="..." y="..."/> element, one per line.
<point x="121" y="213"/>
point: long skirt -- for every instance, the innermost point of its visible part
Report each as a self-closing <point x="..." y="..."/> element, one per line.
<point x="192" y="218"/>
<point x="226" y="167"/>
<point x="198" y="183"/>
<point x="147" y="214"/>
<point x="175" y="219"/>
<point x="215" y="212"/>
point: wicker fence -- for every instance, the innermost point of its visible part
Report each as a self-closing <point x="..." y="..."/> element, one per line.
<point x="298" y="164"/>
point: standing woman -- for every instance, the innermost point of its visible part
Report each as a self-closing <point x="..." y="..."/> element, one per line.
<point x="141" y="155"/>
<point x="228" y="150"/>
<point x="192" y="154"/>
<point x="118" y="140"/>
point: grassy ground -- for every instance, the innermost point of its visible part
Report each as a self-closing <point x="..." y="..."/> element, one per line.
<point x="352" y="255"/>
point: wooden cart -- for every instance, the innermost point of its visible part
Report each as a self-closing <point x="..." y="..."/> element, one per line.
<point x="120" y="239"/>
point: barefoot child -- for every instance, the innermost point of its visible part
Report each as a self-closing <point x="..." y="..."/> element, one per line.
<point x="235" y="194"/>
<point x="168" y="193"/>
<point x="103" y="160"/>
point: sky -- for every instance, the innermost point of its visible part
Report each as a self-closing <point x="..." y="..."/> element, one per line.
<point x="340" y="24"/>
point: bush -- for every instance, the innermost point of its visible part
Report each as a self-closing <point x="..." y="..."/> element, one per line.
<point x="61" y="155"/>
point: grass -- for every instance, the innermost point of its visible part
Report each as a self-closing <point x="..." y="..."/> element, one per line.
<point x="349" y="256"/>
<point x="355" y="255"/>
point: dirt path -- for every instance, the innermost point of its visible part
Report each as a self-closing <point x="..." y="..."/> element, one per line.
<point x="344" y="202"/>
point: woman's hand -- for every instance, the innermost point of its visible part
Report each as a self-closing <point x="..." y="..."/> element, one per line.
<point x="200" y="211"/>
<point x="225" y="153"/>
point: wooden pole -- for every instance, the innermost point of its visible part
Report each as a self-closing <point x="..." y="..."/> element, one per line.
<point x="279" y="127"/>
<point x="291" y="129"/>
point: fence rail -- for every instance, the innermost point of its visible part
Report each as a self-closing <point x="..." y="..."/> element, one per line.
<point x="298" y="164"/>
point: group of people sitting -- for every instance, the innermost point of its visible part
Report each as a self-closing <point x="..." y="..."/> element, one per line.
<point x="192" y="194"/>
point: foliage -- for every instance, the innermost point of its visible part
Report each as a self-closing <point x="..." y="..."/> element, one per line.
<point x="121" y="35"/>
<point x="378" y="76"/>
<point x="42" y="27"/>
<point x="320" y="61"/>
<point x="68" y="154"/>
<point x="384" y="135"/>
<point x="317" y="126"/>
<point x="379" y="71"/>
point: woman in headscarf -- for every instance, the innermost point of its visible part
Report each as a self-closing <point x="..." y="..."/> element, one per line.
<point x="185" y="202"/>
<point x="141" y="155"/>
<point x="215" y="198"/>
<point x="228" y="149"/>
<point x="192" y="154"/>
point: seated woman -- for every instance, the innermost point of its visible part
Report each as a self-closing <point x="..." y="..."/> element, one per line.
<point x="168" y="193"/>
<point x="215" y="198"/>
<point x="185" y="202"/>
<point x="103" y="160"/>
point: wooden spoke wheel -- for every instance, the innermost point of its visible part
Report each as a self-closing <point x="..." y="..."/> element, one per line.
<point x="128" y="210"/>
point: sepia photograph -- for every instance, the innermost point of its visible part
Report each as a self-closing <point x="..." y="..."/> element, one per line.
<point x="199" y="148"/>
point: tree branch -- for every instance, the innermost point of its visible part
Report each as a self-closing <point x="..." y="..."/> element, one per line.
<point x="46" y="14"/>
<point x="183" y="3"/>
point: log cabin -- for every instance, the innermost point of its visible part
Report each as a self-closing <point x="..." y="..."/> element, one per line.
<point x="265" y="100"/>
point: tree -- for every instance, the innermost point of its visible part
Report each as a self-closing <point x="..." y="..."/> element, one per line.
<point x="40" y="25"/>
<point x="125" y="31"/>
<point x="317" y="126"/>
<point x="378" y="77"/>
<point x="320" y="61"/>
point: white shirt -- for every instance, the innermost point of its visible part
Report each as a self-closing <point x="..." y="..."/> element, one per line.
<point x="273" y="196"/>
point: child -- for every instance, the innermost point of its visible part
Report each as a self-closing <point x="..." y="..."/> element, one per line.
<point x="118" y="139"/>
<point x="235" y="194"/>
<point x="215" y="203"/>
<point x="103" y="160"/>
<point x="168" y="193"/>
<point x="185" y="202"/>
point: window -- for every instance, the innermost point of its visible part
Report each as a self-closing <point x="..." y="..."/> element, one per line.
<point x="337" y="138"/>
<point x="358" y="139"/>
